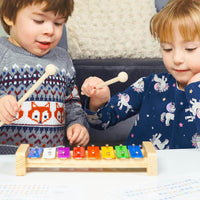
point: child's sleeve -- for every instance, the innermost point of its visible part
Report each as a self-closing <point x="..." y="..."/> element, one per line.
<point x="3" y="51"/>
<point x="120" y="107"/>
<point x="73" y="107"/>
<point x="74" y="111"/>
<point x="193" y="97"/>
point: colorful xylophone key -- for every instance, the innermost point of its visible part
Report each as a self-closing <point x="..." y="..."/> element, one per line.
<point x="93" y="152"/>
<point x="135" y="151"/>
<point x="107" y="152"/>
<point x="35" y="152"/>
<point x="49" y="153"/>
<point x="63" y="152"/>
<point x="79" y="152"/>
<point x="121" y="151"/>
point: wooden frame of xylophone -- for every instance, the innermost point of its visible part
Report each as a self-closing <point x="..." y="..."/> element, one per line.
<point x="148" y="162"/>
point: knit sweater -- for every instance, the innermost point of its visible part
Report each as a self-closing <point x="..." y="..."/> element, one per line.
<point x="167" y="116"/>
<point x="44" y="117"/>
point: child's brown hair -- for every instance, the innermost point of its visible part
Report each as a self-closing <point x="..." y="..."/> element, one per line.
<point x="9" y="8"/>
<point x="182" y="13"/>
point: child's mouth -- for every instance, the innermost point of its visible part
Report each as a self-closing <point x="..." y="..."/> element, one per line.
<point x="44" y="45"/>
<point x="181" y="71"/>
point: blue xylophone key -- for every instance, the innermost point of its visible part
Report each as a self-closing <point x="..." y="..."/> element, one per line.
<point x="135" y="151"/>
<point x="35" y="152"/>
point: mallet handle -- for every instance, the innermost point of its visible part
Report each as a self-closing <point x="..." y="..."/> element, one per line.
<point x="109" y="82"/>
<point x="33" y="88"/>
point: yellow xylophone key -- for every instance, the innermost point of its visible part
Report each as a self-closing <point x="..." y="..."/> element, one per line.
<point x="107" y="152"/>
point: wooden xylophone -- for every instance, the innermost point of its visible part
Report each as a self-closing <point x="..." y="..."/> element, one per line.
<point x="122" y="157"/>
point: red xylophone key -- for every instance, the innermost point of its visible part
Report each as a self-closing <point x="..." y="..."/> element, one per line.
<point x="79" y="152"/>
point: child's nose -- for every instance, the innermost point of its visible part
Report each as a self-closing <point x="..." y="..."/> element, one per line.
<point x="49" y="29"/>
<point x="178" y="57"/>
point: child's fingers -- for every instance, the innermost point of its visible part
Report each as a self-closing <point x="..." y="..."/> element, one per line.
<point x="89" y="86"/>
<point x="6" y="117"/>
<point x="77" y="135"/>
<point x="195" y="78"/>
<point x="81" y="139"/>
<point x="9" y="109"/>
<point x="89" y="90"/>
<point x="69" y="133"/>
<point x="72" y="134"/>
<point x="84" y="142"/>
<point x="73" y="138"/>
<point x="12" y="107"/>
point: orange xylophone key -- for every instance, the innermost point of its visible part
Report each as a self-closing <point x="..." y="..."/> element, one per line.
<point x="93" y="152"/>
<point x="79" y="152"/>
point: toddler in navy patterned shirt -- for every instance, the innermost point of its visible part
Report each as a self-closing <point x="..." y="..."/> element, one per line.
<point x="167" y="104"/>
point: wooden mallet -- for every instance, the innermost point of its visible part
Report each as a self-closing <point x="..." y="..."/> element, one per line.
<point x="49" y="70"/>
<point x="122" y="77"/>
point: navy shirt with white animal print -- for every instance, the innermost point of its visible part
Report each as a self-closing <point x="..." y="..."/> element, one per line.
<point x="167" y="116"/>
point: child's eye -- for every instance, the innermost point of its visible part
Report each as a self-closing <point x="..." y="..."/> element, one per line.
<point x="58" y="24"/>
<point x="38" y="21"/>
<point x="190" y="49"/>
<point x="167" y="49"/>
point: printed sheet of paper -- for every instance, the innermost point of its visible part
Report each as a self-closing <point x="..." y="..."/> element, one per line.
<point x="180" y="189"/>
<point x="38" y="192"/>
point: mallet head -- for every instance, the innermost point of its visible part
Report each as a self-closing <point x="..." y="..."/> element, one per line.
<point x="50" y="69"/>
<point x="123" y="77"/>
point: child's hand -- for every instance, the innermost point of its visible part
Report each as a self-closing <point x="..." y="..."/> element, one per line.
<point x="195" y="78"/>
<point x="98" y="97"/>
<point x="77" y="135"/>
<point x="8" y="108"/>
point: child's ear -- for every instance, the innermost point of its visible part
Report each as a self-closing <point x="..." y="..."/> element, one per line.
<point x="7" y="21"/>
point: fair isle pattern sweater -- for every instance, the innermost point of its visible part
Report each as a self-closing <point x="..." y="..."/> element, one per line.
<point x="167" y="116"/>
<point x="54" y="105"/>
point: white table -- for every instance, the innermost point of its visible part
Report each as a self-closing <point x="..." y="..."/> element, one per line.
<point x="174" y="167"/>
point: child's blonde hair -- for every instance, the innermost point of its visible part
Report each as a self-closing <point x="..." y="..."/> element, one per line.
<point x="9" y="8"/>
<point x="182" y="13"/>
